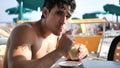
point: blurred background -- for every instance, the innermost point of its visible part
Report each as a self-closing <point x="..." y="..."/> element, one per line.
<point x="14" y="12"/>
<point x="83" y="7"/>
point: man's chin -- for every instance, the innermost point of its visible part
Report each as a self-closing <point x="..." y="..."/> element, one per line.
<point x="59" y="33"/>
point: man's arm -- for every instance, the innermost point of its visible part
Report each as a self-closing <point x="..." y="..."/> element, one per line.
<point x="20" y="54"/>
<point x="21" y="60"/>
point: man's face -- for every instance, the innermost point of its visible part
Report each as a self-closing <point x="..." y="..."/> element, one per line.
<point x="57" y="19"/>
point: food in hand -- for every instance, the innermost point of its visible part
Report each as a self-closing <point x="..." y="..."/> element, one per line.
<point x="74" y="52"/>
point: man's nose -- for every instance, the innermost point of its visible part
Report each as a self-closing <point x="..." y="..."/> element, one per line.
<point x="63" y="20"/>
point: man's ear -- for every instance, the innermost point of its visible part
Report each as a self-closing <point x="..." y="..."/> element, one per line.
<point x="45" y="12"/>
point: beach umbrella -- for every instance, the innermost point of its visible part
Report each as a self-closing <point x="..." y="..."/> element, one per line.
<point x="112" y="9"/>
<point x="89" y="15"/>
<point x="93" y="14"/>
<point x="32" y="4"/>
<point x="16" y="10"/>
<point x="23" y="18"/>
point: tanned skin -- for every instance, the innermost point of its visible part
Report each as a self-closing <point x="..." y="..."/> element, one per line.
<point x="36" y="44"/>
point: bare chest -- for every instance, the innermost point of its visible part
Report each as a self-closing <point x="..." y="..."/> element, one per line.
<point x="43" y="47"/>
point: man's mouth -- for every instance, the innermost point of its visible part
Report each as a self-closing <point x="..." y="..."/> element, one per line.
<point x="60" y="28"/>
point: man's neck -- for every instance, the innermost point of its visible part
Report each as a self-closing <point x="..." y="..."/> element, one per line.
<point x="44" y="31"/>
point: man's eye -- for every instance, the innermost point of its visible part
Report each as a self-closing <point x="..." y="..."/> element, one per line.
<point x="60" y="13"/>
<point x="68" y="16"/>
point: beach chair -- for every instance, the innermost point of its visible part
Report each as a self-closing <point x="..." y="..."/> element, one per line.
<point x="92" y="42"/>
<point x="114" y="50"/>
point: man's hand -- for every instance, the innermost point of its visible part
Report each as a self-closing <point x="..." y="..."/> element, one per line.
<point x="65" y="43"/>
<point x="83" y="52"/>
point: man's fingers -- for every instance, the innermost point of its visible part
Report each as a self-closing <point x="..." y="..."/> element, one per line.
<point x="69" y="32"/>
<point x="83" y="52"/>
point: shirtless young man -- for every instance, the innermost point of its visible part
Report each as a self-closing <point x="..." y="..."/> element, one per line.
<point x="36" y="44"/>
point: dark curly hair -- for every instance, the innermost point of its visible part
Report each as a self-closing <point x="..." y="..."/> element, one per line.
<point x="49" y="4"/>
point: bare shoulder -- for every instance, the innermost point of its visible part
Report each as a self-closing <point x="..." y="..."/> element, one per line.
<point x="23" y="33"/>
<point x="19" y="44"/>
<point x="23" y="27"/>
